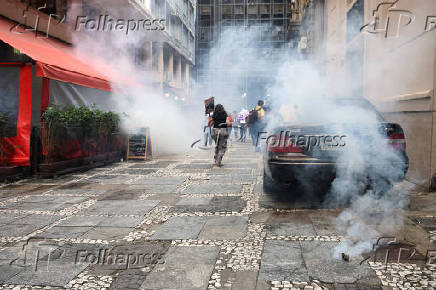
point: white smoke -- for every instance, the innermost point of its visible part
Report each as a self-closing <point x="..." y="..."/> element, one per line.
<point x="302" y="95"/>
<point x="136" y="94"/>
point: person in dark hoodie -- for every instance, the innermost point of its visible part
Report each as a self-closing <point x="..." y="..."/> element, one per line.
<point x="220" y="121"/>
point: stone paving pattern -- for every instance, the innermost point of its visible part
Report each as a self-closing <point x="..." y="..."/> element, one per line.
<point x="178" y="222"/>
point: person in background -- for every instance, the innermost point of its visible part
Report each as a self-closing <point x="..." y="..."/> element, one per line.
<point x="235" y="124"/>
<point x="255" y="123"/>
<point x="230" y="128"/>
<point x="221" y="122"/>
<point x="242" y="124"/>
<point x="207" y="132"/>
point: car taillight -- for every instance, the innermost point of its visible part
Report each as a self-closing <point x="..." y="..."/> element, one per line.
<point x="397" y="141"/>
<point x="284" y="147"/>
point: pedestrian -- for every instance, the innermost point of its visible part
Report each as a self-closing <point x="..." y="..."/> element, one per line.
<point x="235" y="124"/>
<point x="220" y="121"/>
<point x="207" y="132"/>
<point x="230" y="128"/>
<point x="242" y="124"/>
<point x="255" y="123"/>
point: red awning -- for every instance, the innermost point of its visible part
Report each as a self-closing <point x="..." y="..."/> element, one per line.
<point x="56" y="60"/>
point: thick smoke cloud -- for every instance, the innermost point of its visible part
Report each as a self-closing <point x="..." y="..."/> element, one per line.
<point x="173" y="126"/>
<point x="301" y="94"/>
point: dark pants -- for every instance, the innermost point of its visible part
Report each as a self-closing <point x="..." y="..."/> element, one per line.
<point x="254" y="134"/>
<point x="243" y="132"/>
<point x="220" y="137"/>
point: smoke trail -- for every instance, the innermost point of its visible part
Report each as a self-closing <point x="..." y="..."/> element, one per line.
<point x="173" y="126"/>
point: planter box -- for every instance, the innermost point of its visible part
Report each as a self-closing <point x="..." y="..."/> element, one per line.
<point x="79" y="164"/>
<point x="12" y="172"/>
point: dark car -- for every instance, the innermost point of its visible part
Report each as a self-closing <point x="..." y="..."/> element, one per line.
<point x="314" y="152"/>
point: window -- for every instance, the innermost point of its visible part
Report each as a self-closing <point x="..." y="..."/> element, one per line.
<point x="205" y="10"/>
<point x="239" y="9"/>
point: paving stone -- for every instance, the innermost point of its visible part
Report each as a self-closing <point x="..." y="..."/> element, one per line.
<point x="180" y="228"/>
<point x="62" y="232"/>
<point x="283" y="261"/>
<point x="159" y="164"/>
<point x="154" y="188"/>
<point x="8" y="218"/>
<point x="292" y="229"/>
<point x="241" y="279"/>
<point x="111" y="179"/>
<point x="240" y="165"/>
<point x="324" y="224"/>
<point x="322" y="265"/>
<point x="213" y="188"/>
<point x="55" y="199"/>
<point x="31" y="206"/>
<point x="160" y="180"/>
<point x="195" y="166"/>
<point x="82" y="221"/>
<point x="184" y="268"/>
<point x="7" y="271"/>
<point x="14" y="230"/>
<point x="230" y="171"/>
<point x="123" y="194"/>
<point x="134" y="171"/>
<point x="77" y="191"/>
<point x="224" y="228"/>
<point x="216" y="204"/>
<point x="121" y="207"/>
<point x="123" y="222"/>
<point x="233" y="178"/>
<point x="194" y="201"/>
<point x="106" y="233"/>
<point x="56" y="275"/>
<point x="129" y="279"/>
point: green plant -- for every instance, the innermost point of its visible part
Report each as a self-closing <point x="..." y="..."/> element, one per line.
<point x="92" y="127"/>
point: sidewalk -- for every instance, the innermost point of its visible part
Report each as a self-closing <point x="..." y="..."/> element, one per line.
<point x="181" y="223"/>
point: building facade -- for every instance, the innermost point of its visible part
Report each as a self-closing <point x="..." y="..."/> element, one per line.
<point x="266" y="25"/>
<point x="167" y="55"/>
<point x="385" y="51"/>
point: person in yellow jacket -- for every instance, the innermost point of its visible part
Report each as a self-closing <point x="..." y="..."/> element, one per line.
<point x="255" y="123"/>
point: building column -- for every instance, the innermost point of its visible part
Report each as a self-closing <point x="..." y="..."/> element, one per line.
<point x="170" y="69"/>
<point x="179" y="71"/>
<point x="187" y="79"/>
<point x="160" y="63"/>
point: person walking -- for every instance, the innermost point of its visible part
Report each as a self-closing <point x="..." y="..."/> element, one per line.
<point x="254" y="122"/>
<point x="242" y="124"/>
<point x="207" y="132"/>
<point x="220" y="121"/>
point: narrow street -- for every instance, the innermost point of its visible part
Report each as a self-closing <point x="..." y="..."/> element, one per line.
<point x="177" y="222"/>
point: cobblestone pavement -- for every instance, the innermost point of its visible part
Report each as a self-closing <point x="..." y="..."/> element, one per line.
<point x="177" y="222"/>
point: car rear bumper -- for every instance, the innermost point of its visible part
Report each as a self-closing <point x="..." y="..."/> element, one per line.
<point x="317" y="172"/>
<point x="301" y="172"/>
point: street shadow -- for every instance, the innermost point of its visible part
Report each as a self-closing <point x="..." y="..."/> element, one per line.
<point x="295" y="196"/>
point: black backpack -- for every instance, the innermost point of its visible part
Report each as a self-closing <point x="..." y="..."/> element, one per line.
<point x="253" y="116"/>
